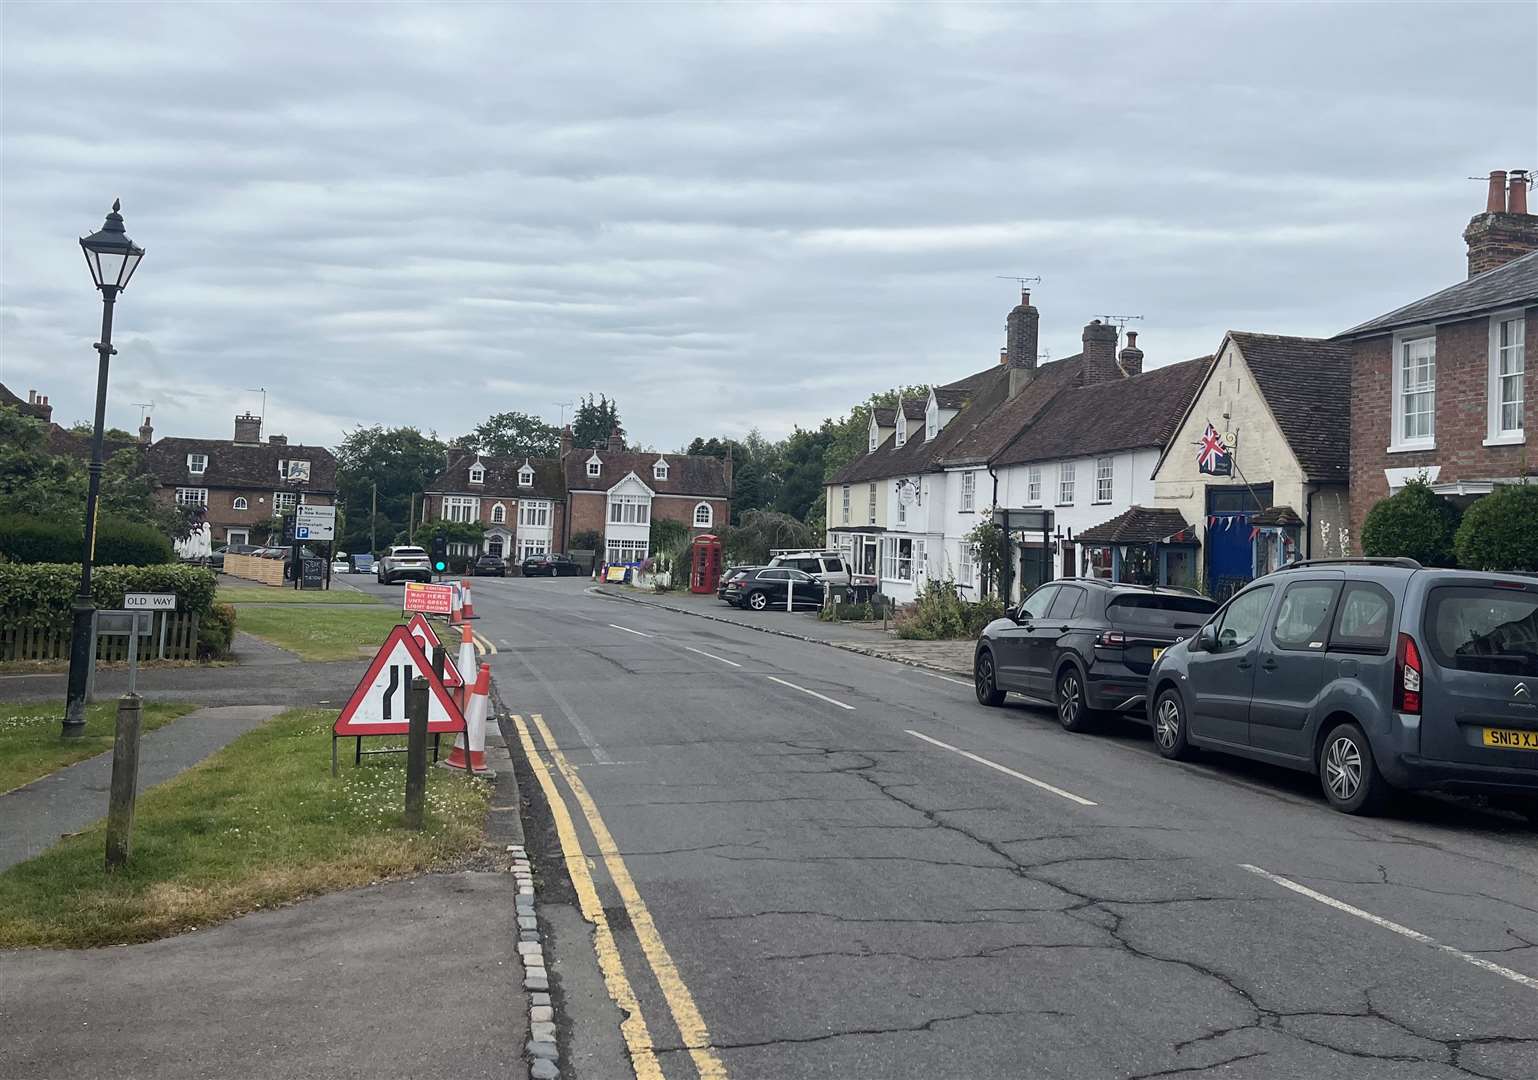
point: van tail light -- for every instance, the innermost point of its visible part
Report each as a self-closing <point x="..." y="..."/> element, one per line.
<point x="1111" y="639"/>
<point x="1407" y="676"/>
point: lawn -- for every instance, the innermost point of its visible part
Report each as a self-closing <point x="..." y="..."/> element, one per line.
<point x="267" y="594"/>
<point x="29" y="736"/>
<point x="261" y="823"/>
<point x="320" y="633"/>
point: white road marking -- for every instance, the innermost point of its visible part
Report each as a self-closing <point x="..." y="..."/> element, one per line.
<point x="814" y="693"/>
<point x="627" y="630"/>
<point x="1070" y="796"/>
<point x="713" y="656"/>
<point x="504" y="642"/>
<point x="944" y="678"/>
<point x="1404" y="931"/>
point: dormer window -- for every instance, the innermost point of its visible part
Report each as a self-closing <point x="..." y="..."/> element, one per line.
<point x="594" y="466"/>
<point x="875" y="435"/>
<point x="477" y="472"/>
<point x="902" y="430"/>
<point x="526" y="475"/>
<point x="932" y="419"/>
<point x="660" y="469"/>
<point x="197" y="464"/>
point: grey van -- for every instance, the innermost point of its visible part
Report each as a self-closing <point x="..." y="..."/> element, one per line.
<point x="1373" y="674"/>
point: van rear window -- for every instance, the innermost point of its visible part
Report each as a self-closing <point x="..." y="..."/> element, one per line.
<point x="1161" y="611"/>
<point x="1490" y="630"/>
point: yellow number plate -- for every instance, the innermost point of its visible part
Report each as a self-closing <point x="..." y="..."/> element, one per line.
<point x="1158" y="653"/>
<point x="1511" y="740"/>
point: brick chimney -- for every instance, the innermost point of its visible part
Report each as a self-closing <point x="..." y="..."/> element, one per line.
<point x="1505" y="230"/>
<point x="1003" y="355"/>
<point x="1020" y="333"/>
<point x="616" y="442"/>
<point x="146" y="432"/>
<point x="248" y="429"/>
<point x="1131" y="357"/>
<point x="565" y="440"/>
<point x="1099" y="354"/>
<point x="277" y="440"/>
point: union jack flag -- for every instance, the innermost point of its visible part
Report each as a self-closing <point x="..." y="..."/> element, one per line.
<point x="1212" y="458"/>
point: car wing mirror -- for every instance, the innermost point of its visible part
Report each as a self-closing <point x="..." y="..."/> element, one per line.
<point x="1207" y="638"/>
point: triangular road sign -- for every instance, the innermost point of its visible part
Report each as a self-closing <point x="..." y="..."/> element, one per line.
<point x="378" y="705"/>
<point x="427" y="638"/>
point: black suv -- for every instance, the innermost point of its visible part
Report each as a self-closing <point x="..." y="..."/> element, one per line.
<point x="773" y="587"/>
<point x="1084" y="645"/>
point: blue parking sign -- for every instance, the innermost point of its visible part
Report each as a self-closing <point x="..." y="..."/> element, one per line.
<point x="302" y="532"/>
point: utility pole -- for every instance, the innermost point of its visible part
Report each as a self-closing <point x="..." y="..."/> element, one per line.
<point x="373" y="512"/>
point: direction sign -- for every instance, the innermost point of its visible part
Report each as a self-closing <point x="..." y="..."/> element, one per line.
<point x="378" y="704"/>
<point x="149" y="601"/>
<point x="314" y="522"/>
<point x="427" y="637"/>
<point x="425" y="597"/>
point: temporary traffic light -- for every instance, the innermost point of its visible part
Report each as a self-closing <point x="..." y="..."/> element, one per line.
<point x="440" y="553"/>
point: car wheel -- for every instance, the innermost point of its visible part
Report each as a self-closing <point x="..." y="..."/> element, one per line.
<point x="1348" y="773"/>
<point x="986" y="680"/>
<point x="758" y="601"/>
<point x="1169" y="727"/>
<point x="1073" y="711"/>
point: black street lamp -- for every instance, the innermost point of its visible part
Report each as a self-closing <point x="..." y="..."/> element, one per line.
<point x="113" y="258"/>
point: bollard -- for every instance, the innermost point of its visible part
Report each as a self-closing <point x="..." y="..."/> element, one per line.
<point x="416" y="752"/>
<point x="125" y="780"/>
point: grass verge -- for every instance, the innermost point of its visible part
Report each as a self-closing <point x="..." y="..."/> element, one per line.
<point x="261" y="823"/>
<point x="267" y="594"/>
<point x="320" y="633"/>
<point x="29" y="736"/>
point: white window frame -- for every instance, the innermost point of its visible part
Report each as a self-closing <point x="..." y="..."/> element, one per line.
<point x="846" y="504"/>
<point x="965" y="566"/>
<point x="1067" y="472"/>
<point x="630" y="510"/>
<point x="1033" y="485"/>
<point x="531" y="546"/>
<point x="498" y="514"/>
<point x="902" y="509"/>
<point x="895" y="565"/>
<point x="534" y="513"/>
<point x="525" y="477"/>
<point x="477" y="473"/>
<point x="659" y="470"/>
<point x="968" y="492"/>
<point x="240" y="503"/>
<point x="1496" y="433"/>
<point x="624" y="551"/>
<point x="231" y="534"/>
<point x="931" y="421"/>
<point x="284" y="500"/>
<point x="191" y="496"/>
<point x="594" y="465"/>
<point x="871" y="504"/>
<point x="465" y="508"/>
<point x="706" y="512"/>
<point x="197" y="464"/>
<point x="1402" y="341"/>
<point x="1105" y="479"/>
<point x="901" y="435"/>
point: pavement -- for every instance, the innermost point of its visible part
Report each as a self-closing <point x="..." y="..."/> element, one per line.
<point x="808" y="862"/>
<point x="402" y="979"/>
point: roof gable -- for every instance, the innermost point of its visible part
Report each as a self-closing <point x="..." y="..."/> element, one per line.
<point x="1306" y="383"/>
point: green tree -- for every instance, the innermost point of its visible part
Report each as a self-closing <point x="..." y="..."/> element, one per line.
<point x="762" y="531"/>
<point x="514" y="434"/>
<point x="802" y="457"/>
<point x="1414" y="522"/>
<point x="851" y="433"/>
<point x="1500" y="531"/>
<point x="401" y="461"/>
<point x="594" y="422"/>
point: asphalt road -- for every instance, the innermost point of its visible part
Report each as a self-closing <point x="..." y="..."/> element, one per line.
<point x="817" y="864"/>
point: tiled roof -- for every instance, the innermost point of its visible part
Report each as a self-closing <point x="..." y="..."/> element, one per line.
<point x="235" y="465"/>
<point x="38" y="412"/>
<point x="888" y="460"/>
<point x="1505" y="286"/>
<point x="688" y="474"/>
<point x="1307" y="384"/>
<point x="956" y="394"/>
<point x="885" y="417"/>
<point x="992" y="419"/>
<point x="501" y="478"/>
<point x="1139" y="525"/>
<point x="1277" y="515"/>
<point x="62" y="442"/>
<point x="913" y="408"/>
<point x="1122" y="414"/>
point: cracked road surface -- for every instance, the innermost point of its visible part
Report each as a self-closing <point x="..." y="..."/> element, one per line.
<point x="843" y="899"/>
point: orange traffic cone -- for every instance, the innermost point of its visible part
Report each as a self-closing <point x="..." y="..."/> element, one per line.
<point x="467" y="611"/>
<point x="469" y="751"/>
<point x="456" y="611"/>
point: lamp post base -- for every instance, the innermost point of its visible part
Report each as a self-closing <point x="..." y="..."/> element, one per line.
<point x="82" y="649"/>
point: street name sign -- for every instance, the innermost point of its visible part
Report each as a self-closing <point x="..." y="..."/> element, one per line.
<point x="314" y="522"/>
<point x="429" y="599"/>
<point x="427" y="638"/>
<point x="149" y="601"/>
<point x="378" y="704"/>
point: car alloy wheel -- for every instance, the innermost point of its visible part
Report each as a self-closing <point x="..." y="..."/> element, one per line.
<point x="1071" y="712"/>
<point x="1167" y="723"/>
<point x="758" y="601"/>
<point x="986" y="680"/>
<point x="1343" y="767"/>
<point x="1348" y="774"/>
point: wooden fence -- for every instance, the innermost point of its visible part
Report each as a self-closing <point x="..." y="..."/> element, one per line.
<point x="181" y="638"/>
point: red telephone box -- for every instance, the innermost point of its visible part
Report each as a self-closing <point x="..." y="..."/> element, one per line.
<point x="704" y="563"/>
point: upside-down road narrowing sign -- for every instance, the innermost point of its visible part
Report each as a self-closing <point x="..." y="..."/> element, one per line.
<point x="378" y="705"/>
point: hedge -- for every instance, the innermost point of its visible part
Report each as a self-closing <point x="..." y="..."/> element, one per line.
<point x="39" y="596"/>
<point x="28" y="539"/>
<point x="1414" y="522"/>
<point x="1500" y="531"/>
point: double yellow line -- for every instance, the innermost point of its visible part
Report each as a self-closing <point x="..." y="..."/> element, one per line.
<point x="686" y="1015"/>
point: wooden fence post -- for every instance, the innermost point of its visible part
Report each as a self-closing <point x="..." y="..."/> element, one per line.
<point x="416" y="752"/>
<point x="125" y="780"/>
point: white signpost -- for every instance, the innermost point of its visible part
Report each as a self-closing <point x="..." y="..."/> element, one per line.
<point x="314" y="522"/>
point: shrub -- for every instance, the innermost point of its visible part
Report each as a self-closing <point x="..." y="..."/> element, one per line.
<point x="939" y="614"/>
<point x="28" y="539"/>
<point x="216" y="632"/>
<point x="1415" y="522"/>
<point x="1500" y="531"/>
<point x="39" y="595"/>
<point x="586" y="540"/>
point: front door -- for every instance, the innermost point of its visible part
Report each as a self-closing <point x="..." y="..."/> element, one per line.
<point x="237" y="536"/>
<point x="494" y="545"/>
<point x="1013" y="644"/>
<point x="1223" y="680"/>
<point x="1293" y="666"/>
<point x="1230" y="551"/>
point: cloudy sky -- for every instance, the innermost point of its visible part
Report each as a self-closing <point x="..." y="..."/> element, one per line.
<point x="724" y="216"/>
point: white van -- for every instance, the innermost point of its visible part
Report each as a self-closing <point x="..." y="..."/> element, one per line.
<point x="826" y="566"/>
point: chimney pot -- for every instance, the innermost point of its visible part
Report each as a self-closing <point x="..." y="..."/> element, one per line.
<point x="1003" y="355"/>
<point x="1505" y="230"/>
<point x="1131" y="358"/>
<point x="31" y="397"/>
<point x="1516" y="193"/>
<point x="1495" y="202"/>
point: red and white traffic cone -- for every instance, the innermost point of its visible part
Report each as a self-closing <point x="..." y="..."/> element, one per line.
<point x="467" y="610"/>
<point x="456" y="609"/>
<point x="465" y="662"/>
<point x="469" y="751"/>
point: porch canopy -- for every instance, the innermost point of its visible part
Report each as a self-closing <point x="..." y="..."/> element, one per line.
<point x="1147" y="545"/>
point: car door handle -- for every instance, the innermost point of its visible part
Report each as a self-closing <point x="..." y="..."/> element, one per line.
<point x="1269" y="665"/>
<point x="1244" y="665"/>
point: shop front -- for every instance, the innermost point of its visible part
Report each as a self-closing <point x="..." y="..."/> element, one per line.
<point x="1143" y="546"/>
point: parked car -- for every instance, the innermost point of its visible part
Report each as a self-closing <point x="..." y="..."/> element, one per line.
<point x="340" y="566"/>
<point x="1084" y="645"/>
<point x="728" y="575"/>
<point x="362" y="564"/>
<point x="1373" y="674"/>
<point x="826" y="566"/>
<point x="488" y="566"/>
<point x="770" y="586"/>
<point x="550" y="564"/>
<point x="216" y="557"/>
<point x="404" y="564"/>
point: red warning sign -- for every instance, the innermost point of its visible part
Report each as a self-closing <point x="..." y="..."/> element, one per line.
<point x="378" y="705"/>
<point x="428" y="639"/>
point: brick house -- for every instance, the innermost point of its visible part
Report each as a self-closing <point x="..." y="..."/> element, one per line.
<point x="1440" y="388"/>
<point x="617" y="492"/>
<point x="61" y="441"/>
<point x="520" y="501"/>
<point x="244" y="483"/>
